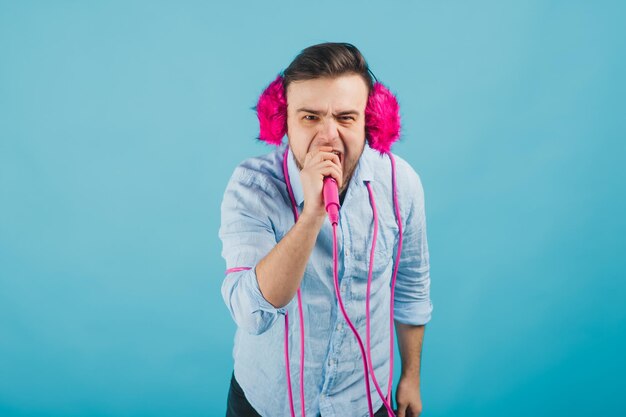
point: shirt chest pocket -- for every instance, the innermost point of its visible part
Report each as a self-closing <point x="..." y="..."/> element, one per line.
<point x="382" y="268"/>
<point x="384" y="252"/>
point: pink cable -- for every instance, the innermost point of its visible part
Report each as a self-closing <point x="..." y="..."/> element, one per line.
<point x="396" y="205"/>
<point x="366" y="357"/>
<point x="237" y="269"/>
<point x="246" y="268"/>
<point x="386" y="403"/>
<point x="294" y="208"/>
<point x="345" y="315"/>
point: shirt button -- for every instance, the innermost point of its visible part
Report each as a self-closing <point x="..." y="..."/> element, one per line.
<point x="338" y="327"/>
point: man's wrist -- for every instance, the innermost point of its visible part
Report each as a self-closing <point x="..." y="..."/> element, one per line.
<point x="412" y="376"/>
<point x="312" y="220"/>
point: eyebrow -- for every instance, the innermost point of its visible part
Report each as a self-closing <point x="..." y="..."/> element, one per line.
<point x="318" y="112"/>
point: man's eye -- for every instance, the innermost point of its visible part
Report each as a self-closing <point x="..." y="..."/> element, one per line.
<point x="347" y="118"/>
<point x="310" y="117"/>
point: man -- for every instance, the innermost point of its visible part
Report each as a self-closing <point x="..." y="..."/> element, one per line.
<point x="270" y="256"/>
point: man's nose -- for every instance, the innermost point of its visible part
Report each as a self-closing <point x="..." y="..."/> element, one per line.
<point x="328" y="130"/>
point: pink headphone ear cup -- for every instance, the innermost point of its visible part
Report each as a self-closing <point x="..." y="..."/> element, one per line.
<point x="382" y="118"/>
<point x="271" y="110"/>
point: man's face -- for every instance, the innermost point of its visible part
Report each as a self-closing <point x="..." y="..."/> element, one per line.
<point x="328" y="112"/>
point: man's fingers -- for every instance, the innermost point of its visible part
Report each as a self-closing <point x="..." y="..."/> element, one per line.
<point x="325" y="163"/>
<point x="329" y="156"/>
<point x="321" y="154"/>
<point x="324" y="156"/>
<point x="312" y="154"/>
<point x="328" y="169"/>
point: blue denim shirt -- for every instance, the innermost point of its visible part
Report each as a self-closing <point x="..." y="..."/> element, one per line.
<point x="256" y="214"/>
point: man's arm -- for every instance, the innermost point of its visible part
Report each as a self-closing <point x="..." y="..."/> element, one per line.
<point x="269" y="273"/>
<point x="410" y="339"/>
<point x="280" y="272"/>
<point x="408" y="396"/>
<point x="412" y="308"/>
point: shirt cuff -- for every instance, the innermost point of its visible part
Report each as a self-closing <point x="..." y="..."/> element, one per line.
<point x="260" y="303"/>
<point x="415" y="313"/>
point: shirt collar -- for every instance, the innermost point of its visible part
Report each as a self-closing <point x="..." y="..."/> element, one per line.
<point x="362" y="172"/>
<point x="294" y="178"/>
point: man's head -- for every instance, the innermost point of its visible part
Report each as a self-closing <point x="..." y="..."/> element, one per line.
<point x="340" y="62"/>
<point x="327" y="88"/>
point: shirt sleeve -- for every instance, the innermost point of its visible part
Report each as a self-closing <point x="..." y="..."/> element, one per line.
<point x="412" y="304"/>
<point x="247" y="236"/>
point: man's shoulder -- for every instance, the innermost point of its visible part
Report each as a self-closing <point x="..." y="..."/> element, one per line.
<point x="263" y="171"/>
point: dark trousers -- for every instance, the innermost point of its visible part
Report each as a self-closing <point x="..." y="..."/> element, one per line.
<point x="238" y="405"/>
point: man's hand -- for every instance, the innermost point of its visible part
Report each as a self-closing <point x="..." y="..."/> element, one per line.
<point x="318" y="164"/>
<point x="408" y="398"/>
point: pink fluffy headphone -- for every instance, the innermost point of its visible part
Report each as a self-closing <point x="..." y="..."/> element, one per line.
<point x="382" y="116"/>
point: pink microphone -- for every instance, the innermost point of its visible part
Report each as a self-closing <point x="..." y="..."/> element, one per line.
<point x="331" y="199"/>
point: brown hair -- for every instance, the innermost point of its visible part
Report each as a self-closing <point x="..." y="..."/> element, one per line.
<point x="328" y="59"/>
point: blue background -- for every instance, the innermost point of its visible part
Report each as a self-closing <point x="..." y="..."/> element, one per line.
<point x="121" y="122"/>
